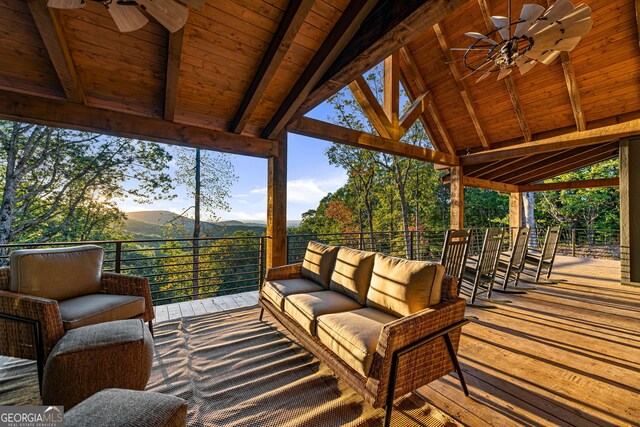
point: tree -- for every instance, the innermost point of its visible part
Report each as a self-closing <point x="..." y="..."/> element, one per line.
<point x="208" y="177"/>
<point x="60" y="184"/>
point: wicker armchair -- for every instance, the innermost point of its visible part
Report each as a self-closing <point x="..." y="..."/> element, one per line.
<point x="31" y="325"/>
<point x="412" y="351"/>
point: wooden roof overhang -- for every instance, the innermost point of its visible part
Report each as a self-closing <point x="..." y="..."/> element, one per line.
<point x="242" y="71"/>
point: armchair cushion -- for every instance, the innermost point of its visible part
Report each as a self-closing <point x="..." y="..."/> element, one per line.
<point x="277" y="290"/>
<point x="305" y="308"/>
<point x="353" y="335"/>
<point x="402" y="287"/>
<point x="352" y="273"/>
<point x="99" y="308"/>
<point x="318" y="263"/>
<point x="57" y="274"/>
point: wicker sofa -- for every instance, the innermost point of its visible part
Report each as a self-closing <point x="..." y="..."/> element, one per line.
<point x="385" y="325"/>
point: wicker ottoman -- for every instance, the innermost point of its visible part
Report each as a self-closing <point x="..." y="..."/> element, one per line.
<point x="125" y="408"/>
<point x="93" y="358"/>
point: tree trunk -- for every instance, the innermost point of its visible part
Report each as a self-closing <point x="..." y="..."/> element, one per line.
<point x="196" y="230"/>
<point x="528" y="200"/>
<point x="9" y="195"/>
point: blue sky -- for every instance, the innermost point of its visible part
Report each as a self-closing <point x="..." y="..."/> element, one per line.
<point x="310" y="179"/>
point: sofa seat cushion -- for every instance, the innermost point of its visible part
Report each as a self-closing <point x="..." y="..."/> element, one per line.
<point x="99" y="308"/>
<point x="318" y="263"/>
<point x="353" y="335"/>
<point x="277" y="290"/>
<point x="352" y="273"/>
<point x="305" y="308"/>
<point x="402" y="287"/>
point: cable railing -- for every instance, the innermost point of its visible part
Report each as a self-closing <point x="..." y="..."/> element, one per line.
<point x="186" y="269"/>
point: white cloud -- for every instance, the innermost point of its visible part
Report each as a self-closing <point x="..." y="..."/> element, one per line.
<point x="308" y="191"/>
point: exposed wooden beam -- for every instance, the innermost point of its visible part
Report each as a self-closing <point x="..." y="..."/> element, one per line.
<point x="516" y="165"/>
<point x="337" y="39"/>
<point x="462" y="86"/>
<point x="52" y="34"/>
<point x="572" y="185"/>
<point x="341" y="135"/>
<point x="277" y="206"/>
<point x="638" y="15"/>
<point x="574" y="92"/>
<point x="14" y="106"/>
<point x="569" y="140"/>
<point x="390" y="26"/>
<point x="470" y="181"/>
<point x="293" y="18"/>
<point x="174" y="56"/>
<point x="391" y="93"/>
<point x="516" y="211"/>
<point x="487" y="171"/>
<point x="370" y="106"/>
<point x="509" y="83"/>
<point x="411" y="115"/>
<point x="409" y="70"/>
<point x="456" y="208"/>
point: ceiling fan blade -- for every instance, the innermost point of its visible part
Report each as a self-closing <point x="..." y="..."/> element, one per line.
<point x="66" y="4"/>
<point x="483" y="76"/>
<point x="480" y="37"/>
<point x="170" y="14"/>
<point x="557" y="10"/>
<point x="127" y="18"/>
<point x="549" y="39"/>
<point x="472" y="48"/>
<point x="194" y="4"/>
<point x="502" y="25"/>
<point x="524" y="64"/>
<point x="548" y="57"/>
<point x="528" y="15"/>
<point x="504" y="73"/>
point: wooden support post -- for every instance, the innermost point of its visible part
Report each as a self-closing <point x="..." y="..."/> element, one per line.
<point x="516" y="213"/>
<point x="456" y="221"/>
<point x="629" y="208"/>
<point x="277" y="206"/>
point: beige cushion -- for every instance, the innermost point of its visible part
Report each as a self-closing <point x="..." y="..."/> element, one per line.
<point x="305" y="308"/>
<point x="353" y="335"/>
<point x="318" y="263"/>
<point x="352" y="273"/>
<point x="276" y="290"/>
<point x="57" y="273"/>
<point x="402" y="287"/>
<point x="99" y="308"/>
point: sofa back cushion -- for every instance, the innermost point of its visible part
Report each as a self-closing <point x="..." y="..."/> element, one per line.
<point x="402" y="287"/>
<point x="318" y="263"/>
<point x="352" y="273"/>
<point x="57" y="273"/>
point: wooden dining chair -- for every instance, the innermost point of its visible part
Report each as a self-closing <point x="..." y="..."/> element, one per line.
<point x="511" y="263"/>
<point x="480" y="272"/>
<point x="454" y="253"/>
<point x="537" y="263"/>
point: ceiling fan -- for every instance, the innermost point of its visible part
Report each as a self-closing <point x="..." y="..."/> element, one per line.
<point x="538" y="36"/>
<point x="128" y="17"/>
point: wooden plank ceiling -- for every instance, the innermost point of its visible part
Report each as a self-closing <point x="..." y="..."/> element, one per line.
<point x="248" y="67"/>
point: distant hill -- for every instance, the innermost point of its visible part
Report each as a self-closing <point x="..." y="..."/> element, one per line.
<point x="163" y="224"/>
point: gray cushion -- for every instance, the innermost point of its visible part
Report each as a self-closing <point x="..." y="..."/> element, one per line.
<point x="276" y="290"/>
<point x="57" y="274"/>
<point x="305" y="308"/>
<point x="318" y="263"/>
<point x="92" y="358"/>
<point x="127" y="408"/>
<point x="99" y="308"/>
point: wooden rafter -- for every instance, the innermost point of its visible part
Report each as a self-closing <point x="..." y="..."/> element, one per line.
<point x="569" y="140"/>
<point x="409" y="70"/>
<point x="293" y="18"/>
<point x="491" y="170"/>
<point x="370" y="106"/>
<point x="509" y="83"/>
<point x="391" y="92"/>
<point x="411" y="115"/>
<point x="462" y="86"/>
<point x="391" y="25"/>
<point x="318" y="129"/>
<point x="174" y="56"/>
<point x="32" y="109"/>
<point x="574" y="92"/>
<point x="470" y="181"/>
<point x="572" y="185"/>
<point x="510" y="166"/>
<point x="48" y="22"/>
<point x="638" y="15"/>
<point x="337" y="39"/>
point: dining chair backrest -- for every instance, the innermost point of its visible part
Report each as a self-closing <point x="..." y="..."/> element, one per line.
<point x="454" y="252"/>
<point x="519" y="251"/>
<point x="490" y="253"/>
<point x="550" y="244"/>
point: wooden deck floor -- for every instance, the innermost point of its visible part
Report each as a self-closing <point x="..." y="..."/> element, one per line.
<point x="564" y="354"/>
<point x="204" y="306"/>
